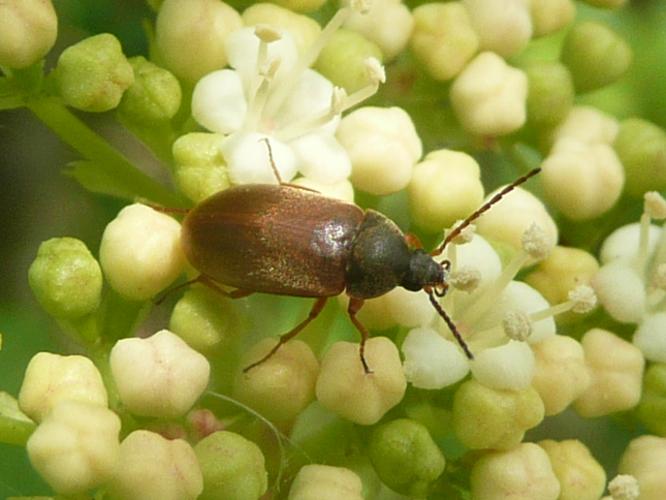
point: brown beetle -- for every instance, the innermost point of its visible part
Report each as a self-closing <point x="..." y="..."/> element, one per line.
<point x="286" y="240"/>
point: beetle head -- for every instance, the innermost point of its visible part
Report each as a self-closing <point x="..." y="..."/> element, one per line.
<point x="424" y="271"/>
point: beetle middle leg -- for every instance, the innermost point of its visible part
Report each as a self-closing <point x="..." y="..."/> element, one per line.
<point x="314" y="312"/>
<point x="206" y="281"/>
<point x="354" y="306"/>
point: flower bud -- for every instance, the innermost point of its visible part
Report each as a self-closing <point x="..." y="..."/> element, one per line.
<point x="489" y="97"/>
<point x="155" y="467"/>
<point x="616" y="372"/>
<point x="408" y="308"/>
<point x="561" y="375"/>
<point x="342" y="190"/>
<point x="652" y="408"/>
<point x="650" y="338"/>
<point x="283" y="385"/>
<point x="445" y="187"/>
<point x="196" y="27"/>
<point x="509" y="366"/>
<point x="503" y="26"/>
<point x="160" y="376"/>
<point x="620" y="291"/>
<point x="200" y="168"/>
<point x="583" y="181"/>
<point x="76" y="447"/>
<point x="388" y="23"/>
<point x="443" y="39"/>
<point x="492" y="418"/>
<point x="316" y="482"/>
<point x="607" y="4"/>
<point x="232" y="467"/>
<point x="549" y="16"/>
<point x="344" y="388"/>
<point x="66" y="278"/>
<point x="595" y="55"/>
<point x="551" y="92"/>
<point x="153" y="97"/>
<point x="140" y="252"/>
<point x="523" y="472"/>
<point x="28" y="30"/>
<point x="579" y="474"/>
<point x="623" y="243"/>
<point x="300" y="5"/>
<point x="51" y="378"/>
<point x="343" y="59"/>
<point x="645" y="459"/>
<point x="303" y="29"/>
<point x="641" y="147"/>
<point x="588" y="125"/>
<point x="383" y="147"/>
<point x="93" y="74"/>
<point x="405" y="457"/>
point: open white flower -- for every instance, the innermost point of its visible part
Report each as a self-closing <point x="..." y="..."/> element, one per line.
<point x="270" y="93"/>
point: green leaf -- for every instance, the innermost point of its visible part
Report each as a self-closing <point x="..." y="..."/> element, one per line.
<point x="15" y="426"/>
<point x="97" y="179"/>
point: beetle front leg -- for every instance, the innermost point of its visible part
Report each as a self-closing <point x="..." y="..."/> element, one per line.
<point x="354" y="306"/>
<point x="314" y="312"/>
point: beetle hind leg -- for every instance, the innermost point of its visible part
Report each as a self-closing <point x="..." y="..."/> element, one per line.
<point x="354" y="306"/>
<point x="314" y="312"/>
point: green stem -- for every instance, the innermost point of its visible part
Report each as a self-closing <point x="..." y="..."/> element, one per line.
<point x="93" y="147"/>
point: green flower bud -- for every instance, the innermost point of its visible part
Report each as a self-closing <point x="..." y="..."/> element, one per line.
<point x="153" y="97"/>
<point x="580" y="475"/>
<point x="301" y="5"/>
<point x="200" y="167"/>
<point x="652" y="408"/>
<point x="317" y="482"/>
<point x="191" y="35"/>
<point x="641" y="147"/>
<point x="443" y="39"/>
<point x="405" y="457"/>
<point x="550" y="92"/>
<point x="595" y="55"/>
<point x="66" y="278"/>
<point x="549" y="16"/>
<point x="302" y="29"/>
<point x="93" y="74"/>
<point x="28" y="30"/>
<point x="491" y="418"/>
<point x="606" y="4"/>
<point x="343" y="60"/>
<point x="232" y="467"/>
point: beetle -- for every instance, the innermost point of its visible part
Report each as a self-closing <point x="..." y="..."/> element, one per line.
<point x="287" y="240"/>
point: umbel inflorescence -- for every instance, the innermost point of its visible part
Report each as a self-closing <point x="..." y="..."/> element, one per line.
<point x="402" y="108"/>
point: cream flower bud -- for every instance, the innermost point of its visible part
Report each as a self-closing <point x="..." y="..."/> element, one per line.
<point x="51" y="378"/>
<point x="582" y="180"/>
<point x="622" y="243"/>
<point x="510" y="366"/>
<point x="620" y="289"/>
<point x="624" y="487"/>
<point x="344" y="388"/>
<point x="388" y="23"/>
<point x="645" y="459"/>
<point x="200" y="167"/>
<point x="155" y="467"/>
<point x="522" y="472"/>
<point x="303" y="30"/>
<point x="432" y="362"/>
<point x="489" y="97"/>
<point x="342" y="190"/>
<point x="579" y="474"/>
<point x="443" y="38"/>
<point x="383" y="147"/>
<point x="317" y="482"/>
<point x="445" y="187"/>
<point x="508" y="221"/>
<point x="28" y="30"/>
<point x="551" y="92"/>
<point x="197" y="27"/>
<point x="616" y="371"/>
<point x="76" y="447"/>
<point x="650" y="338"/>
<point x="561" y="374"/>
<point x="140" y="252"/>
<point x="283" y="385"/>
<point x="503" y="26"/>
<point x="492" y="418"/>
<point x="589" y="125"/>
<point x="160" y="376"/>
<point x="248" y="161"/>
<point x="549" y="16"/>
<point x="410" y="309"/>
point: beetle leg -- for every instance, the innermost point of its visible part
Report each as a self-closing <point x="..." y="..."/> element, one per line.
<point x="354" y="306"/>
<point x="210" y="283"/>
<point x="314" y="312"/>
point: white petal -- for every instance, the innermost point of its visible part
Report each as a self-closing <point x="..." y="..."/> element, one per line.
<point x="310" y="97"/>
<point x="623" y="242"/>
<point x="479" y="255"/>
<point x="218" y="102"/>
<point x="620" y="291"/>
<point x="248" y="160"/>
<point x="650" y="337"/>
<point x="509" y="366"/>
<point x="432" y="362"/>
<point x="322" y="158"/>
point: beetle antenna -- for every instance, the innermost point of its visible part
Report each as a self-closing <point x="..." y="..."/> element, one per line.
<point x="450" y="323"/>
<point x="271" y="160"/>
<point x="482" y="209"/>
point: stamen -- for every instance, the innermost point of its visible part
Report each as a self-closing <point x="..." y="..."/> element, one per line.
<point x="258" y="101"/>
<point x="654" y="205"/>
<point x="465" y="278"/>
<point x="582" y="300"/>
<point x="308" y="124"/>
<point x="535" y="242"/>
<point x="517" y="325"/>
<point x="624" y="487"/>
<point x="643" y="243"/>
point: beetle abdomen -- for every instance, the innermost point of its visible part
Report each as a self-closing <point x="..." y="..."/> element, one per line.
<point x="273" y="239"/>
